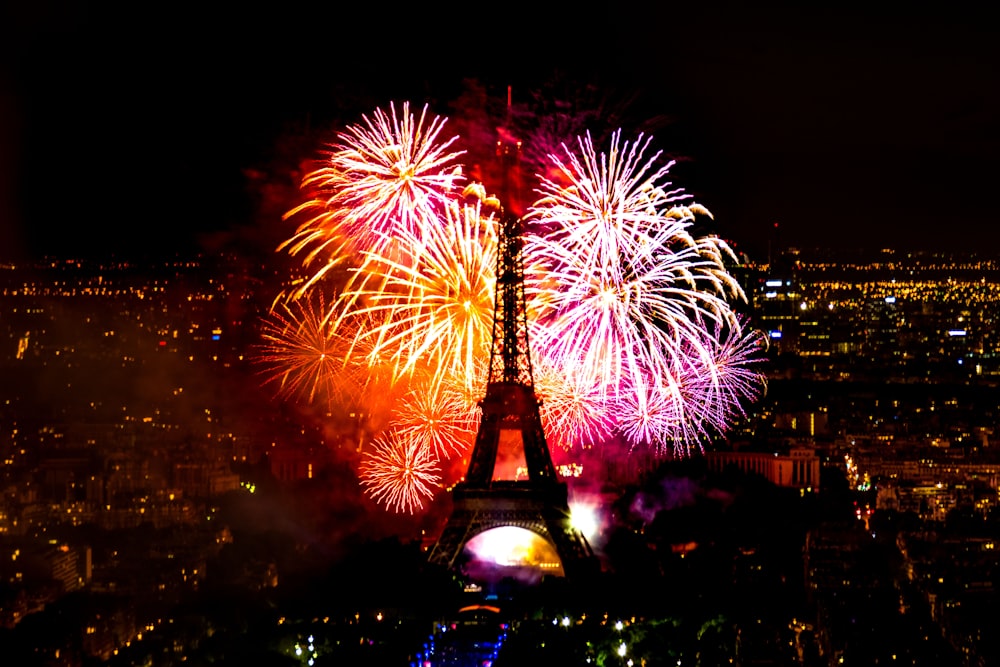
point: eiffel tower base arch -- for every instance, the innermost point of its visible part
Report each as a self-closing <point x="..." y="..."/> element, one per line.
<point x="543" y="510"/>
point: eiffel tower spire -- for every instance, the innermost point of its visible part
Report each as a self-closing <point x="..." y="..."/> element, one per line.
<point x="511" y="419"/>
<point x="510" y="389"/>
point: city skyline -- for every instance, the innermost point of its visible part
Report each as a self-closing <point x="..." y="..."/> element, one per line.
<point x="846" y="127"/>
<point x="161" y="492"/>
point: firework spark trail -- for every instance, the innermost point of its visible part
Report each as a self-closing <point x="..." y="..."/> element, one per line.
<point x="298" y="353"/>
<point x="626" y="298"/>
<point x="675" y="413"/>
<point x="400" y="473"/>
<point x="363" y="369"/>
<point x="646" y="415"/>
<point x="733" y="376"/>
<point x="574" y="412"/>
<point x="700" y="399"/>
<point x="720" y="385"/>
<point x="435" y="418"/>
<point x="600" y="192"/>
<point x="466" y="389"/>
<point x="616" y="207"/>
<point x="613" y="325"/>
<point x="382" y="177"/>
<point x="615" y="272"/>
<point x="435" y="310"/>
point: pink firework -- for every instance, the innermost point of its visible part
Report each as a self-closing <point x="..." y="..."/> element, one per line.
<point x="627" y="301"/>
<point x="649" y="413"/>
<point x="701" y="398"/>
<point x="729" y="379"/>
<point x="617" y="282"/>
<point x="400" y="473"/>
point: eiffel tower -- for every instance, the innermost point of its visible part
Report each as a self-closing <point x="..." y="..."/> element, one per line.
<point x="511" y="422"/>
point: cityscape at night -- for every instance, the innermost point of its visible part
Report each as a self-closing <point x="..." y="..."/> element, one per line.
<point x="639" y="357"/>
<point x="158" y="505"/>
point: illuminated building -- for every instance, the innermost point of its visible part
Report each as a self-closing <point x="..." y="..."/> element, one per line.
<point x="799" y="468"/>
<point x="776" y="302"/>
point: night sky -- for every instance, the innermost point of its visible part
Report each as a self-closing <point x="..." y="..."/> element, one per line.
<point x="124" y="131"/>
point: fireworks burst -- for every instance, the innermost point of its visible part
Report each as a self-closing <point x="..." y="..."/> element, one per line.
<point x="622" y="293"/>
<point x="387" y="176"/>
<point x="400" y="472"/>
<point x="618" y="283"/>
<point x="632" y="329"/>
<point x="436" y="419"/>
<point x="574" y="412"/>
<point x="731" y="379"/>
<point x="298" y="353"/>
<point x="701" y="398"/>
<point x="433" y="311"/>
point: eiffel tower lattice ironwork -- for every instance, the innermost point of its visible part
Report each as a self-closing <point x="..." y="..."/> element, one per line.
<point x="511" y="418"/>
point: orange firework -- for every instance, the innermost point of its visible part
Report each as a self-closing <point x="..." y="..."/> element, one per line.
<point x="437" y="419"/>
<point x="432" y="312"/>
<point x="574" y="412"/>
<point x="298" y="353"/>
<point x="400" y="472"/>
